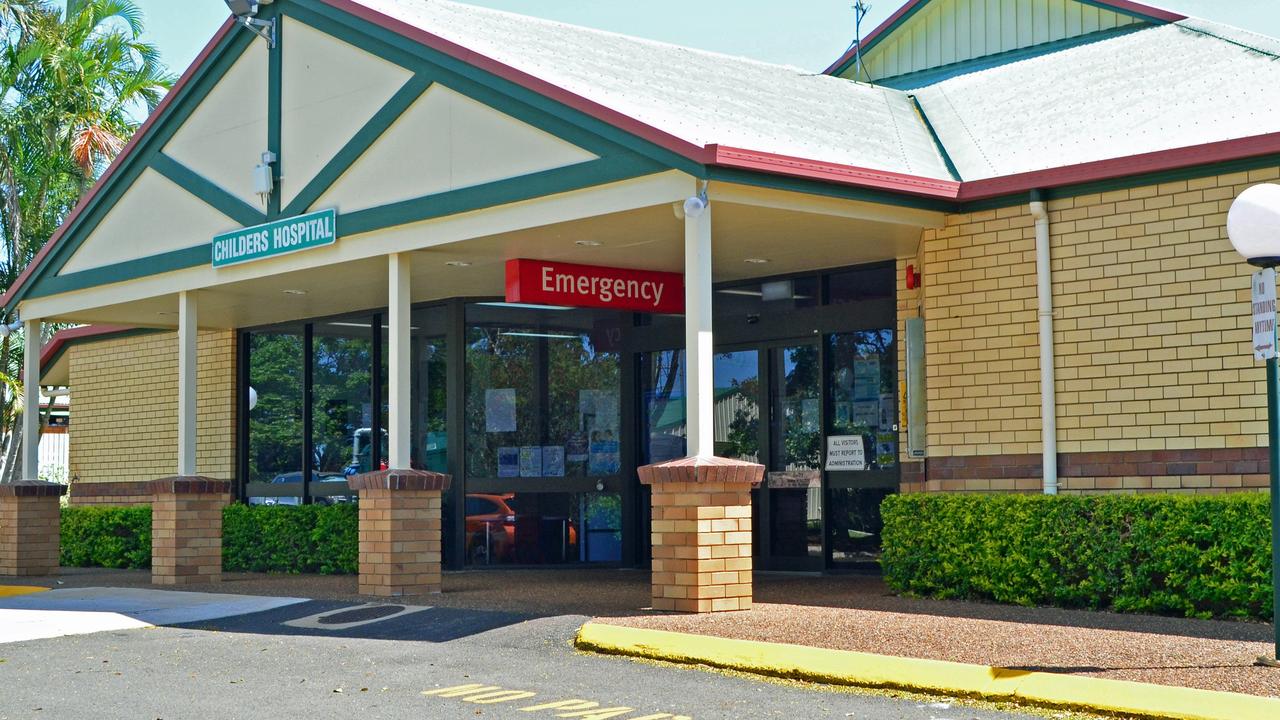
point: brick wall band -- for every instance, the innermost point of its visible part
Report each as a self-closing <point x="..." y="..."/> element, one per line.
<point x="125" y="413"/>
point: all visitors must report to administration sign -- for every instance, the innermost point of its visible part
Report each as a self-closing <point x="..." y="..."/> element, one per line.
<point x="303" y="232"/>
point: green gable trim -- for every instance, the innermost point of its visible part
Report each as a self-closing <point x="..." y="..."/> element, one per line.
<point x="932" y="76"/>
<point x="212" y="195"/>
<point x="889" y="31"/>
<point x="131" y="168"/>
<point x="502" y="192"/>
<point x="122" y="271"/>
<point x="275" y="112"/>
<point x="356" y="147"/>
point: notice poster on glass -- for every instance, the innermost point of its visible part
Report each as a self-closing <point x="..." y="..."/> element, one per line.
<point x="500" y="410"/>
<point x="846" y="452"/>
<point x="553" y="461"/>
<point x="866" y="412"/>
<point x="598" y="410"/>
<point x="866" y="378"/>
<point x="575" y="449"/>
<point x="531" y="461"/>
<point x="508" y="462"/>
<point x="888" y="412"/>
<point x="605" y="457"/>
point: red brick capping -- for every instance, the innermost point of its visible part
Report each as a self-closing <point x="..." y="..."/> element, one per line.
<point x="188" y="485"/>
<point x="32" y="488"/>
<point x="703" y="470"/>
<point x="400" y="480"/>
<point x="1130" y="463"/>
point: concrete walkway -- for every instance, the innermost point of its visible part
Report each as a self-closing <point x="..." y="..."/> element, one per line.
<point x="77" y="611"/>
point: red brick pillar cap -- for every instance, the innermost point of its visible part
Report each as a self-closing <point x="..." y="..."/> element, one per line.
<point x="32" y="488"/>
<point x="703" y="469"/>
<point x="188" y="485"/>
<point x="400" y="480"/>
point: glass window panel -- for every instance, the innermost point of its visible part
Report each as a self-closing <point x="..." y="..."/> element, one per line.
<point x="795" y="494"/>
<point x="737" y="406"/>
<point x="663" y="406"/>
<point x="428" y="425"/>
<point x="275" y="421"/>
<point x="853" y="286"/>
<point x="342" y="409"/>
<point x="864" y="398"/>
<point x="855" y="524"/>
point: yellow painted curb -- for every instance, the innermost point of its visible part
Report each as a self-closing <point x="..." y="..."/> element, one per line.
<point x="843" y="667"/>
<point x="12" y="590"/>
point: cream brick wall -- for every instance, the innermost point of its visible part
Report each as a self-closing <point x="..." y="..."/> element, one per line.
<point x="125" y="407"/>
<point x="1152" y="331"/>
<point x="980" y="324"/>
<point x="1151" y="326"/>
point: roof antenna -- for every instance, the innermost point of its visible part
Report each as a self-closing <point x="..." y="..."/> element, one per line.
<point x="860" y="10"/>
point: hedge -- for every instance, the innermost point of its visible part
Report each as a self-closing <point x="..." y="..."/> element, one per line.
<point x="320" y="539"/>
<point x="1202" y="556"/>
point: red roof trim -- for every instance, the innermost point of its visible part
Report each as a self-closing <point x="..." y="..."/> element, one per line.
<point x="883" y="28"/>
<point x="62" y="338"/>
<point x="832" y="172"/>
<point x="124" y="154"/>
<point x="1158" y="161"/>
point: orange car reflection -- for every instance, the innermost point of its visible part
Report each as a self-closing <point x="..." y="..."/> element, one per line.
<point x="497" y="533"/>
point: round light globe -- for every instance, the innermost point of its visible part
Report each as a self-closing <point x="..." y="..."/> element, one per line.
<point x="1253" y="225"/>
<point x="253" y="398"/>
<point x="694" y="207"/>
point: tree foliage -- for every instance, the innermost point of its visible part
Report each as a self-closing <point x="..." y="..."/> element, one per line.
<point x="72" y="81"/>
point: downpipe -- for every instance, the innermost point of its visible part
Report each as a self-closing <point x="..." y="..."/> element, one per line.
<point x="1048" y="394"/>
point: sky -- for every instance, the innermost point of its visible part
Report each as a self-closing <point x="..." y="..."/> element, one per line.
<point x="809" y="34"/>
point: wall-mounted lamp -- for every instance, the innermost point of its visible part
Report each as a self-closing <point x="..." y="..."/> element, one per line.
<point x="246" y="12"/>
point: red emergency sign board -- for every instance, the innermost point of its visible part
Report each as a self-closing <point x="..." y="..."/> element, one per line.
<point x="543" y="282"/>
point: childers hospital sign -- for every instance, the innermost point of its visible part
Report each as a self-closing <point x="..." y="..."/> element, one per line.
<point x="544" y="282"/>
<point x="275" y="238"/>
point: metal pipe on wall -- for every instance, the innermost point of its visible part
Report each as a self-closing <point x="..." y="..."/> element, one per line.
<point x="1048" y="396"/>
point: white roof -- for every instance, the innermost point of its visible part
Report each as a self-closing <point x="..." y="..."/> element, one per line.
<point x="1168" y="86"/>
<point x="701" y="97"/>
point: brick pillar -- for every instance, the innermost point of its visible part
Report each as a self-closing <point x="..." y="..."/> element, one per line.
<point x="400" y="531"/>
<point x="186" y="529"/>
<point x="30" y="527"/>
<point x="701" y="529"/>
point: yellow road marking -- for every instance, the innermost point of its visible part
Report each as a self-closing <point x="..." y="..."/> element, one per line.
<point x="14" y="590"/>
<point x="576" y="709"/>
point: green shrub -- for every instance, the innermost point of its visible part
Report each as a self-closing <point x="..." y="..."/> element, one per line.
<point x="112" y="537"/>
<point x="320" y="539"/>
<point x="1206" y="556"/>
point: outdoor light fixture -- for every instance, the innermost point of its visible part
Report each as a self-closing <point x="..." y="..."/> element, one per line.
<point x="253" y="398"/>
<point x="695" y="205"/>
<point x="245" y="12"/>
<point x="264" y="182"/>
<point x="1253" y="225"/>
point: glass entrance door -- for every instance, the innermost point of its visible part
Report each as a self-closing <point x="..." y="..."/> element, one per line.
<point x="793" y="472"/>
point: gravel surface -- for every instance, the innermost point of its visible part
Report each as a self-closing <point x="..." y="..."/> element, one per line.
<point x="843" y="612"/>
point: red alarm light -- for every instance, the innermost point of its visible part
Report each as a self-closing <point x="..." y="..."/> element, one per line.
<point x="912" y="277"/>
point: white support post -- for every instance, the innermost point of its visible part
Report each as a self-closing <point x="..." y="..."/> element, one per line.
<point x="31" y="400"/>
<point x="187" y="383"/>
<point x="697" y="334"/>
<point x="398" y="442"/>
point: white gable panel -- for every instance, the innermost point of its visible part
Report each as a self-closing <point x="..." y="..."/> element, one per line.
<point x="155" y="216"/>
<point x="225" y="137"/>
<point x="330" y="89"/>
<point x="951" y="31"/>
<point x="446" y="141"/>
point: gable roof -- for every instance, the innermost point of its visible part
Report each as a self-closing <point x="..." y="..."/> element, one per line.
<point x="895" y="21"/>
<point x="714" y="112"/>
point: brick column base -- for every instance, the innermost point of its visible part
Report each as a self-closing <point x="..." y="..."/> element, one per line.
<point x="400" y="531"/>
<point x="186" y="529"/>
<point x="702" y="533"/>
<point x="30" y="527"/>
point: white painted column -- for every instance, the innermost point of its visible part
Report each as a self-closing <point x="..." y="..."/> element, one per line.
<point x="697" y="334"/>
<point x="187" y="383"/>
<point x="398" y="441"/>
<point x="31" y="400"/>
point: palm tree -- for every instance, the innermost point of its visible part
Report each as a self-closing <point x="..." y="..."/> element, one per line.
<point x="71" y="83"/>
